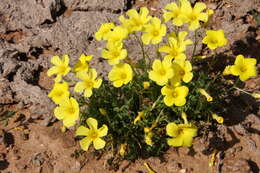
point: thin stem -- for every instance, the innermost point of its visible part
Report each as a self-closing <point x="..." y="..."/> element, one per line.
<point x="141" y="45"/>
<point x="195" y="45"/>
<point x="242" y="90"/>
<point x="155" y="103"/>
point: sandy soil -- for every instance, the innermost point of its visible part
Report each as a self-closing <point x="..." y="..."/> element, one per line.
<point x="32" y="31"/>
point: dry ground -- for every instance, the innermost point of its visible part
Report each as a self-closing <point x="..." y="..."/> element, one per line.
<point x="32" y="31"/>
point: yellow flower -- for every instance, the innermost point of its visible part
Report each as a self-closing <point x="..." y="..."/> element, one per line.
<point x="182" y="43"/>
<point x="59" y="92"/>
<point x="176" y="46"/>
<point x="82" y="64"/>
<point x="162" y="72"/>
<point x="219" y="119"/>
<point x="68" y="111"/>
<point x="146" y="84"/>
<point x="117" y="34"/>
<point x="148" y="138"/>
<point x="182" y="71"/>
<point x="93" y="134"/>
<point x="176" y="13"/>
<point x="227" y="70"/>
<point x="175" y="95"/>
<point x="204" y="93"/>
<point x="182" y="134"/>
<point x="136" y="20"/>
<point x="149" y="169"/>
<point x="104" y="29"/>
<point x="214" y="39"/>
<point x="120" y="74"/>
<point x="138" y="117"/>
<point x="244" y="68"/>
<point x="194" y="15"/>
<point x="88" y="82"/>
<point x="154" y="32"/>
<point x="122" y="149"/>
<point x="61" y="67"/>
<point x="256" y="95"/>
<point x="114" y="53"/>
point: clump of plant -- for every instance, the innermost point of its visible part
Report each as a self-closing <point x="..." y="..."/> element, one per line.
<point x="150" y="103"/>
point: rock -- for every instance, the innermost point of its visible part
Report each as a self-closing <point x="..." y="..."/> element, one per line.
<point x="173" y="166"/>
<point x="38" y="159"/>
<point x="76" y="166"/>
<point x="235" y="166"/>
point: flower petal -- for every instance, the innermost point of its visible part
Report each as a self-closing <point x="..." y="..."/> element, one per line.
<point x="59" y="112"/>
<point x="99" y="143"/>
<point x="84" y="143"/>
<point x="175" y="142"/>
<point x="88" y="92"/>
<point x="79" y="87"/>
<point x="92" y="123"/>
<point x="82" y="131"/>
<point x="168" y="100"/>
<point x="102" y="131"/>
<point x="52" y="71"/>
<point x="69" y="121"/>
<point x="55" y="60"/>
<point x="172" y="130"/>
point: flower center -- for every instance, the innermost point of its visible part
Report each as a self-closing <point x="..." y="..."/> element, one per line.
<point x="213" y="41"/>
<point x="243" y="69"/>
<point x="174" y="94"/>
<point x="62" y="69"/>
<point x="193" y="16"/>
<point x="89" y="84"/>
<point x="137" y="22"/>
<point x="115" y="54"/>
<point x="155" y="33"/>
<point x="182" y="72"/>
<point x="123" y="76"/>
<point x="59" y="93"/>
<point x="71" y="110"/>
<point x="180" y="131"/>
<point x="93" y="135"/>
<point x="162" y="72"/>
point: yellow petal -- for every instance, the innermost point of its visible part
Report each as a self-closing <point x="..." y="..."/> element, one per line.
<point x="97" y="83"/>
<point x="82" y="131"/>
<point x="92" y="123"/>
<point x="180" y="101"/>
<point x="55" y="60"/>
<point x="146" y="38"/>
<point x="88" y="92"/>
<point x="157" y="64"/>
<point x="168" y="100"/>
<point x="52" y="71"/>
<point x="59" y="112"/>
<point x="69" y="121"/>
<point x="239" y="60"/>
<point x="199" y="6"/>
<point x="172" y="130"/>
<point x="99" y="143"/>
<point x="175" y="142"/>
<point x="65" y="59"/>
<point x="166" y="90"/>
<point x="79" y="87"/>
<point x="84" y="143"/>
<point x="102" y="131"/>
<point x="118" y="83"/>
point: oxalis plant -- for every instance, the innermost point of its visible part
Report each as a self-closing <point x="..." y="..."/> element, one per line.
<point x="147" y="105"/>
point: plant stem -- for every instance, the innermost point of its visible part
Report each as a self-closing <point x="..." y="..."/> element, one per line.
<point x="141" y="45"/>
<point x="242" y="90"/>
<point x="195" y="45"/>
